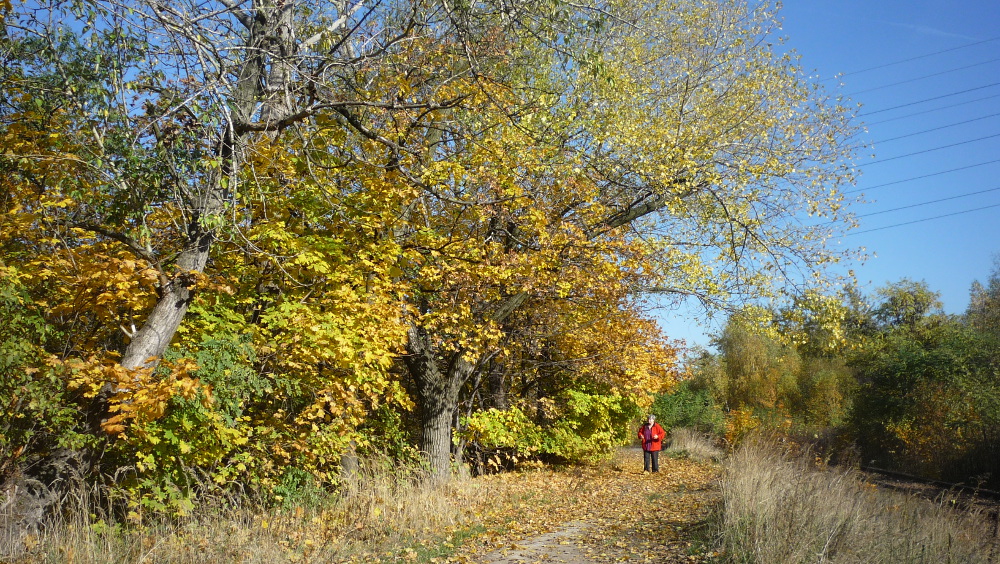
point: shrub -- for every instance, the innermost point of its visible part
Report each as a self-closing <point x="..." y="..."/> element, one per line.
<point x="580" y="426"/>
<point x="37" y="410"/>
<point x="930" y="401"/>
<point x="589" y="426"/>
<point x="689" y="406"/>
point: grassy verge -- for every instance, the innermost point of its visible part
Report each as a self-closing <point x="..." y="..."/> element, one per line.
<point x="380" y="513"/>
<point x="782" y="509"/>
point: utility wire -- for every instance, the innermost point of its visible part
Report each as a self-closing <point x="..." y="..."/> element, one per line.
<point x="927" y="203"/>
<point x="929" y="99"/>
<point x="934" y="129"/>
<point x="923" y="220"/>
<point x="925" y="77"/>
<point x="869" y="123"/>
<point x="918" y="57"/>
<point x="922" y="101"/>
<point x="920" y="177"/>
<point x="880" y="161"/>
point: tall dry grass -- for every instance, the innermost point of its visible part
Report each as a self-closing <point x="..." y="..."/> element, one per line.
<point x="694" y="444"/>
<point x="380" y="512"/>
<point x="777" y="508"/>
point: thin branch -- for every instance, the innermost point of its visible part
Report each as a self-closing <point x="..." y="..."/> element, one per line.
<point x="337" y="24"/>
<point x="133" y="245"/>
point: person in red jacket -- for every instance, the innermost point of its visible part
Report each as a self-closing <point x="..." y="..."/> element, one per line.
<point x="651" y="435"/>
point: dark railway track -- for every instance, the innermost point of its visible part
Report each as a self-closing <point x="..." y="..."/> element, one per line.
<point x="941" y="487"/>
<point x="962" y="497"/>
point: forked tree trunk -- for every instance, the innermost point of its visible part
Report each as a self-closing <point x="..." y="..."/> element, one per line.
<point x="440" y="377"/>
<point x="438" y="387"/>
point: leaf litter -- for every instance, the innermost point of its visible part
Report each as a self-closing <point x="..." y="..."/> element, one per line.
<point x="612" y="512"/>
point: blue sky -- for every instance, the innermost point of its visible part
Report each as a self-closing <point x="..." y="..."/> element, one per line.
<point x="914" y="66"/>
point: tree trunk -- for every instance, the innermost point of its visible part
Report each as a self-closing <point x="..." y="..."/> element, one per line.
<point x="438" y="390"/>
<point x="438" y="409"/>
<point x="497" y="389"/>
<point x="150" y="341"/>
<point x="270" y="39"/>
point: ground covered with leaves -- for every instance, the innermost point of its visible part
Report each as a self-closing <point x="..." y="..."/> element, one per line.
<point x="606" y="513"/>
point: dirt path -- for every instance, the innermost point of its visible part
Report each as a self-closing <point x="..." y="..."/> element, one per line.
<point x="562" y="545"/>
<point x="612" y="513"/>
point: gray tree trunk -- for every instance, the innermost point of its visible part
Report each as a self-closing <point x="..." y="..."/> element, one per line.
<point x="270" y="42"/>
<point x="44" y="484"/>
<point x="153" y="338"/>
<point x="438" y="387"/>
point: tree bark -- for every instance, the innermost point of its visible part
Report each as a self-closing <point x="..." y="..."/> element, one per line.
<point x="438" y="387"/>
<point x="153" y="338"/>
<point x="438" y="409"/>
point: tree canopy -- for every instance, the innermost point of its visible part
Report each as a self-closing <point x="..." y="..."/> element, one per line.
<point x="243" y="228"/>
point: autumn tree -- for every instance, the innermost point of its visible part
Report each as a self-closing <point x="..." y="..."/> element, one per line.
<point x="572" y="373"/>
<point x="906" y="304"/>
<point x="761" y="371"/>
<point x="685" y="132"/>
<point x="224" y="77"/>
<point x="239" y="180"/>
<point x="292" y="170"/>
<point x="983" y="312"/>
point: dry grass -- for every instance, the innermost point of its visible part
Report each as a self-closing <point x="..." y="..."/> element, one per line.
<point x="380" y="513"/>
<point x="782" y="509"/>
<point x="694" y="444"/>
<point x="776" y="509"/>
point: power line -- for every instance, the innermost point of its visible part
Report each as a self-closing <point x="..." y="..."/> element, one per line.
<point x="934" y="129"/>
<point x="924" y="101"/>
<point x="929" y="99"/>
<point x="869" y="123"/>
<point x="920" y="177"/>
<point x="918" y="57"/>
<point x="923" y="220"/>
<point x="925" y="77"/>
<point x="880" y="161"/>
<point x="927" y="203"/>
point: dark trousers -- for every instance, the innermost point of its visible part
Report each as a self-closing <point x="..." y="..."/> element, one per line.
<point x="651" y="460"/>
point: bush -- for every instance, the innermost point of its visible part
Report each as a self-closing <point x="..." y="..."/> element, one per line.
<point x="930" y="402"/>
<point x="579" y="426"/>
<point x="589" y="426"/>
<point x="687" y="405"/>
<point x="37" y="410"/>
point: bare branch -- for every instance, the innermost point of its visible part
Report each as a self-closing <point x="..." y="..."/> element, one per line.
<point x="337" y="24"/>
<point x="242" y="16"/>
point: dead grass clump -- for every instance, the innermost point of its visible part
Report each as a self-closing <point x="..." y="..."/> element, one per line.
<point x="694" y="444"/>
<point x="782" y="509"/>
<point x="381" y="511"/>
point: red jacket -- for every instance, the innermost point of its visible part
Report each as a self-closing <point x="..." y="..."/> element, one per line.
<point x="651" y="437"/>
